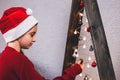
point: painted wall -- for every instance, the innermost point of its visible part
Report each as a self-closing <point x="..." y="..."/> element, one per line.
<point x="47" y="53"/>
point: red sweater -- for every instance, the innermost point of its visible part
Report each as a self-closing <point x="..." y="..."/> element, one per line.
<point x="16" y="66"/>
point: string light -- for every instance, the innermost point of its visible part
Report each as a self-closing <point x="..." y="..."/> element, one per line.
<point x="84" y="46"/>
<point x="88" y="65"/>
<point x="80" y="74"/>
<point x="84" y="38"/>
<point x="80" y="14"/>
<point x="90" y="78"/>
<point x="75" y="55"/>
<point x="89" y="58"/>
<point x="86" y="20"/>
<point x="76" y="50"/>
<point x="76" y="32"/>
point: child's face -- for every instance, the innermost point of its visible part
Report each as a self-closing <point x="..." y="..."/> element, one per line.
<point x="28" y="38"/>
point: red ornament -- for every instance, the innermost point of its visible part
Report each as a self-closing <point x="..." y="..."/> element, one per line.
<point x="88" y="29"/>
<point x="81" y="4"/>
<point x="93" y="64"/>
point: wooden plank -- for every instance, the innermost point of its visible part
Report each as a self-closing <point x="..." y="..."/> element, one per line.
<point x="72" y="40"/>
<point x="102" y="53"/>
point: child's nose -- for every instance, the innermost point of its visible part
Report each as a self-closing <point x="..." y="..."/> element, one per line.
<point x="34" y="39"/>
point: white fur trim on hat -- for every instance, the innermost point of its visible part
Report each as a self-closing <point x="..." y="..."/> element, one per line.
<point x="21" y="29"/>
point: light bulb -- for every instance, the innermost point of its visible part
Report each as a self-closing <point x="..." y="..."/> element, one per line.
<point x="81" y="14"/>
<point x="90" y="78"/>
<point x="89" y="58"/>
<point x="86" y="20"/>
<point x="84" y="46"/>
<point x="76" y="50"/>
<point x="88" y="65"/>
<point x="75" y="55"/>
<point x="75" y="32"/>
<point x="80" y="74"/>
<point x="85" y="29"/>
<point x="84" y="38"/>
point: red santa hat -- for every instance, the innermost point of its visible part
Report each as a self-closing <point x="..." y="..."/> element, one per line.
<point x="15" y="22"/>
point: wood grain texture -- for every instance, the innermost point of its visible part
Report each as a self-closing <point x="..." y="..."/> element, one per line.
<point x="102" y="54"/>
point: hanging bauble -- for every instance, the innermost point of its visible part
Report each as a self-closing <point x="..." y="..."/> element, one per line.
<point x="81" y="61"/>
<point x="88" y="29"/>
<point x="91" y="48"/>
<point x="81" y="4"/>
<point x="93" y="64"/>
<point x="86" y="77"/>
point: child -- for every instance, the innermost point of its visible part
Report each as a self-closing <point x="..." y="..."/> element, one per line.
<point x="19" y="27"/>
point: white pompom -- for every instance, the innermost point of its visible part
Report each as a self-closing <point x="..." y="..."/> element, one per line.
<point x="29" y="11"/>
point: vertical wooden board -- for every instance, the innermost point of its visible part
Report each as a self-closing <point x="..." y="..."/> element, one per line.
<point x="72" y="40"/>
<point x="102" y="54"/>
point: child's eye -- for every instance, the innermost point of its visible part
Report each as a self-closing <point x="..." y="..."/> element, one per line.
<point x="32" y="34"/>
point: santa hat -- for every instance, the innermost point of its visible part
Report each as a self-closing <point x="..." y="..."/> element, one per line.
<point x="15" y="22"/>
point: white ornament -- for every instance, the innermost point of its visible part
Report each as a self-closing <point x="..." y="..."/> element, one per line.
<point x="29" y="11"/>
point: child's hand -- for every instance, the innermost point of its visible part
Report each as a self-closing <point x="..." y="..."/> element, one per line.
<point x="80" y="62"/>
